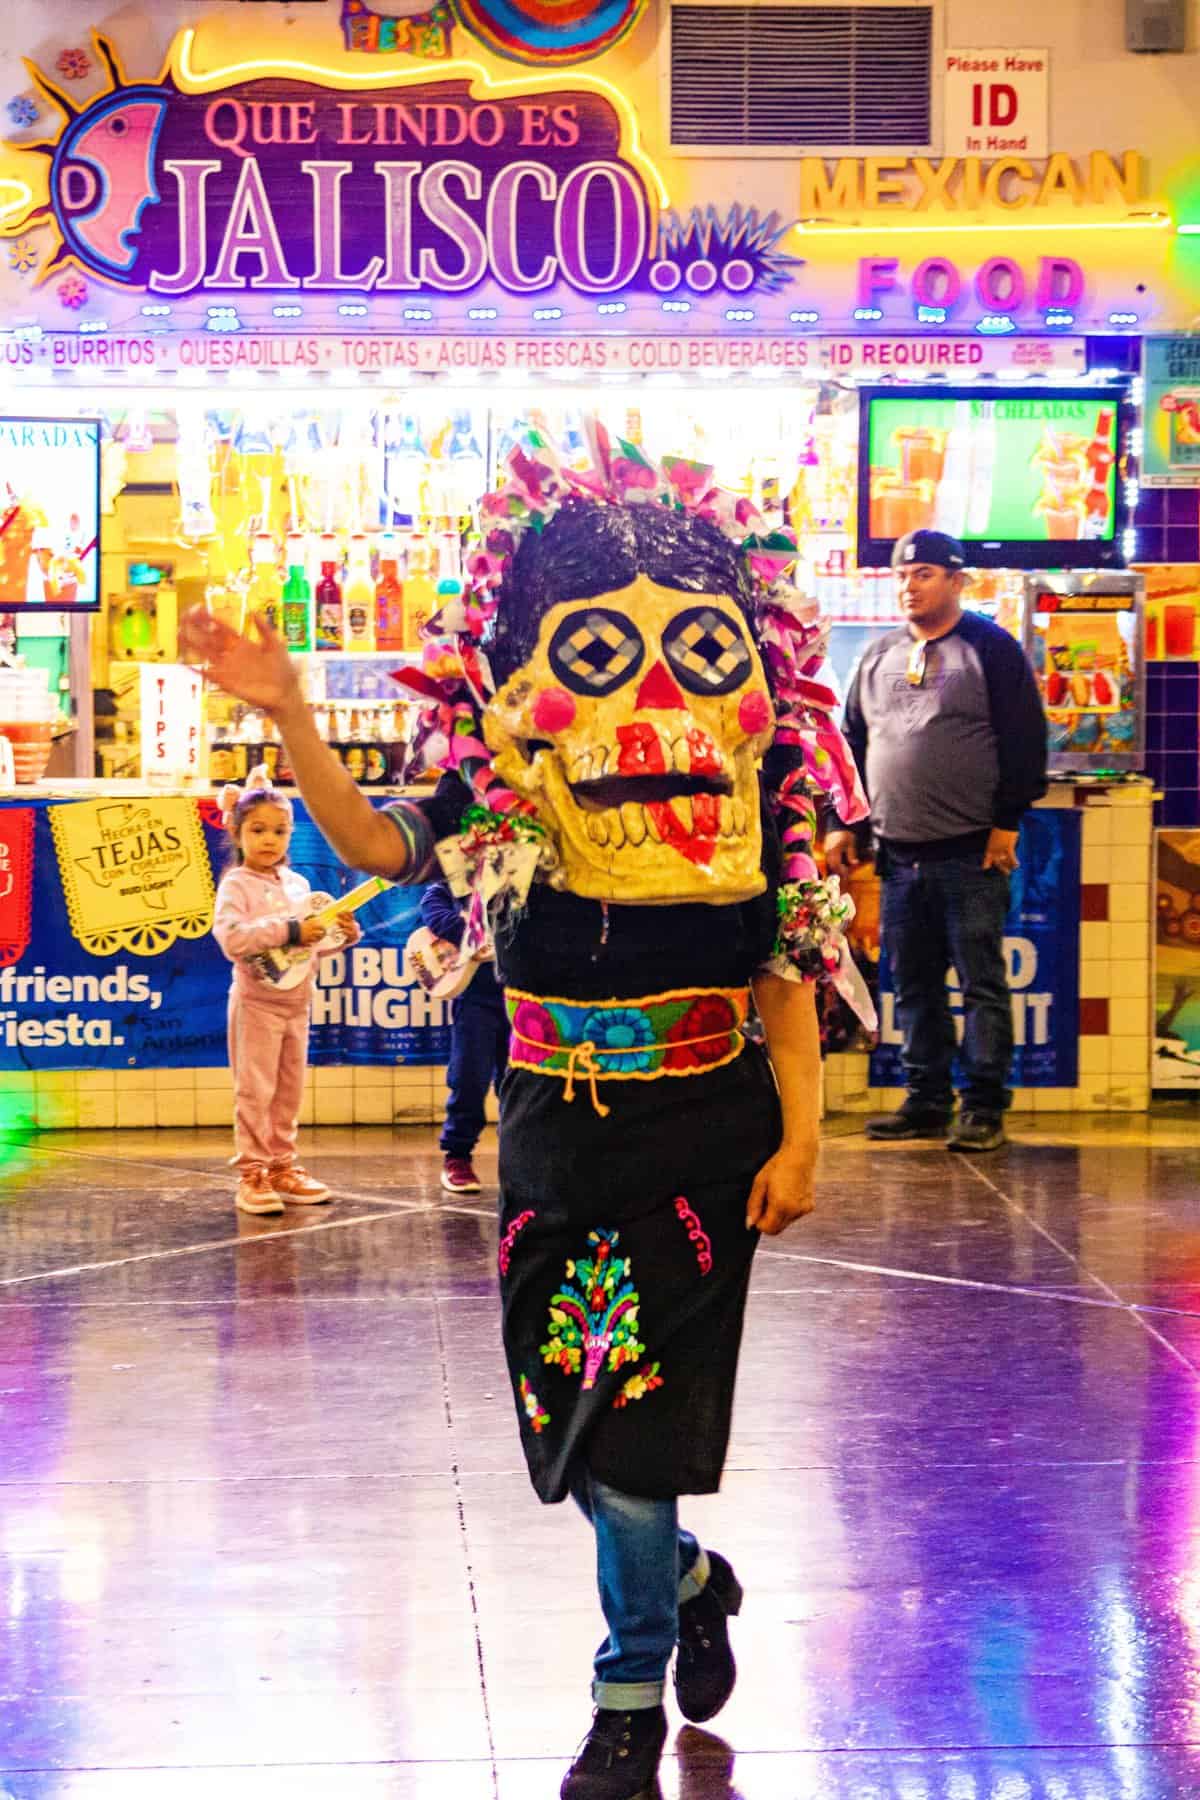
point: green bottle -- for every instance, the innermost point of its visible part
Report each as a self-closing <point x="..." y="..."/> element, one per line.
<point x="297" y="600"/>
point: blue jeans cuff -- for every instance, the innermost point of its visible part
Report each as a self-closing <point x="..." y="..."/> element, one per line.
<point x="627" y="1696"/>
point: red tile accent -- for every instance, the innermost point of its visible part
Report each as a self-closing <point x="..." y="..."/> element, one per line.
<point x="1093" y="900"/>
<point x="1093" y="1018"/>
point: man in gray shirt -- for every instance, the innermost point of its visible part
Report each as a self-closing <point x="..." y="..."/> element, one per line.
<point x="946" y="725"/>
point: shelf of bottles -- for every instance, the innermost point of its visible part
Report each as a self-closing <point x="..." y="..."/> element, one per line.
<point x="345" y="530"/>
<point x="348" y="525"/>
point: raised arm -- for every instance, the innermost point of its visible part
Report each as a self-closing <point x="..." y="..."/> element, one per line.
<point x="257" y="668"/>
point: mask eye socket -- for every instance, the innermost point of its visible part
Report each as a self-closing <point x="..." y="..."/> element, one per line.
<point x="707" y="651"/>
<point x="596" y="651"/>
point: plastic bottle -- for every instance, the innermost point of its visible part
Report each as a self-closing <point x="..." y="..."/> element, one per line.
<point x="266" y="589"/>
<point x="420" y="591"/>
<point x="389" y="597"/>
<point x="358" y="597"/>
<point x="329" y="598"/>
<point x="297" y="599"/>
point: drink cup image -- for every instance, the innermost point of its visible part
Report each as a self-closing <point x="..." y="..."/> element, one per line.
<point x="1062" y="523"/>
<point x="31" y="741"/>
<point x="898" y="507"/>
<point x="922" y="453"/>
<point x="1179" y="629"/>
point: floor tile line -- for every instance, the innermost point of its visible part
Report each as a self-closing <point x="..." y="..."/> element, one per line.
<point x="226" y="1243"/>
<point x="963" y="1281"/>
<point x="1126" y="1306"/>
<point x="461" y="1508"/>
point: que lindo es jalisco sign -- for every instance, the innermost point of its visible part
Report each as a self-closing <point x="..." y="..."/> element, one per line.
<point x="277" y="192"/>
<point x="280" y="185"/>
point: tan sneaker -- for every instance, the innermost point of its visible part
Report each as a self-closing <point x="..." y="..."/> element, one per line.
<point x="298" y="1187"/>
<point x="255" y="1193"/>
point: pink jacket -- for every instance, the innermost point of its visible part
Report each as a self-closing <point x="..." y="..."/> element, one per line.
<point x="252" y="914"/>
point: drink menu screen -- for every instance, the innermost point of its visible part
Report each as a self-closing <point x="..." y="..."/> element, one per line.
<point x="1020" y="469"/>
<point x="49" y="513"/>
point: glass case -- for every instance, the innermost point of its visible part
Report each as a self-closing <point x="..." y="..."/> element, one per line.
<point x="1083" y="634"/>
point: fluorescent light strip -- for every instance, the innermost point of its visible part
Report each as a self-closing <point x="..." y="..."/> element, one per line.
<point x="884" y="230"/>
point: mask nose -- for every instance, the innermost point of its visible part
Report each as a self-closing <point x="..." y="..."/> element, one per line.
<point x="659" y="692"/>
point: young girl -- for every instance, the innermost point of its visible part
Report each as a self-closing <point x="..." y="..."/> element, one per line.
<point x="260" y="906"/>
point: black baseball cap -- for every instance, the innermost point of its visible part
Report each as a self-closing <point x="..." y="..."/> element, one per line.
<point x="935" y="547"/>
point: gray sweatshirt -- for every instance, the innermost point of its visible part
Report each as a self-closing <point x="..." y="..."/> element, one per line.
<point x="961" y="754"/>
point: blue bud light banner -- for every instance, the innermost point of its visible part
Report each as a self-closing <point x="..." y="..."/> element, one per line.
<point x="1041" y="952"/>
<point x="107" y="958"/>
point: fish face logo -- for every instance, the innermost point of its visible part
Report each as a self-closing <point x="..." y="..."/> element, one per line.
<point x="103" y="178"/>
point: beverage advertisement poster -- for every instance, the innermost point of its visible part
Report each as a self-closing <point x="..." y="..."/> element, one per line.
<point x="1176" y="1063"/>
<point x="107" y="978"/>
<point x="49" y="513"/>
<point x="1171" y="447"/>
<point x="1172" y="611"/>
<point x="1041" y="953"/>
<point x="1023" y="469"/>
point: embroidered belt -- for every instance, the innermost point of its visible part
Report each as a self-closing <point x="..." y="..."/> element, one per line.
<point x="686" y="1032"/>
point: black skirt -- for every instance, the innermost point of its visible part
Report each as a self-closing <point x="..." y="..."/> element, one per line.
<point x="624" y="1268"/>
<point x="624" y="1253"/>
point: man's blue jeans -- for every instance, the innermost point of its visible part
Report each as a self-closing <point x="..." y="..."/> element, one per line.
<point x="646" y="1568"/>
<point x="936" y="914"/>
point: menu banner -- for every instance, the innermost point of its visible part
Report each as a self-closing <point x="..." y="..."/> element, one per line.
<point x="583" y="354"/>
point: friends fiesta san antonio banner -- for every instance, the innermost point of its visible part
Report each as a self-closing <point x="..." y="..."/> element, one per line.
<point x="107" y="958"/>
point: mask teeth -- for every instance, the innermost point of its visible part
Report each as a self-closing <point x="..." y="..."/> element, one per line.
<point x="740" y="817"/>
<point x="597" y="829"/>
<point x="652" y="828"/>
<point x="725" y="805"/>
<point x="616" y="830"/>
<point x="633" y="817"/>
<point x="682" y="808"/>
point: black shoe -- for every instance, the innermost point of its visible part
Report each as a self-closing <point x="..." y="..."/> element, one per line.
<point x="978" y="1131"/>
<point x="910" y="1121"/>
<point x="619" y="1757"/>
<point x="704" y="1667"/>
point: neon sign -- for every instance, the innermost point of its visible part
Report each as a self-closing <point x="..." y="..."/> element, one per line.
<point x="273" y="181"/>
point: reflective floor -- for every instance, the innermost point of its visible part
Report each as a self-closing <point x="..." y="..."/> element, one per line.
<point x="265" y="1529"/>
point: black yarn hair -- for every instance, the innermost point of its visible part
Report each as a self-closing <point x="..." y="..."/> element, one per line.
<point x="591" y="548"/>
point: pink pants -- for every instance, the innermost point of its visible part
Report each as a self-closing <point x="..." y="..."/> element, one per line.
<point x="268" y="1053"/>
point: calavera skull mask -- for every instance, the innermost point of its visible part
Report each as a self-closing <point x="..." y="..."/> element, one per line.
<point x="636" y="726"/>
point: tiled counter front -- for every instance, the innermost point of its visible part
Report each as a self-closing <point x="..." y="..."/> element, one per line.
<point x="1115" y="965"/>
<point x="97" y="1099"/>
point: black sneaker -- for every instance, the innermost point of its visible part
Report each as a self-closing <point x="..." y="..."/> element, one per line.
<point x="704" y="1667"/>
<point x="978" y="1131"/>
<point x="909" y="1122"/>
<point x="619" y="1757"/>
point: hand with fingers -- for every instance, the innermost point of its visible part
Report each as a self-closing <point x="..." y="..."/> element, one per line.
<point x="252" y="666"/>
<point x="783" y="1189"/>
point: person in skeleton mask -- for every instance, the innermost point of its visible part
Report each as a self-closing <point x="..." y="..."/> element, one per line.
<point x="629" y="709"/>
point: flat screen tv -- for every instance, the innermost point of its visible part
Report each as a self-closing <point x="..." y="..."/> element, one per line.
<point x="49" y="515"/>
<point x="1026" y="478"/>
